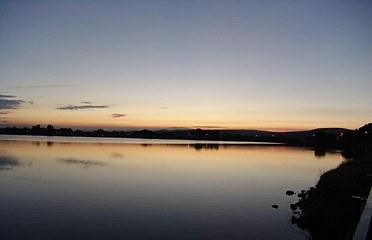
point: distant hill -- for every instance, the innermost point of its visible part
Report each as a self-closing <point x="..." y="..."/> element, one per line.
<point x="307" y="134"/>
<point x="320" y="137"/>
<point x="295" y="135"/>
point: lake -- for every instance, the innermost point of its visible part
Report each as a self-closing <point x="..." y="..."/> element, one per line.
<point x="100" y="188"/>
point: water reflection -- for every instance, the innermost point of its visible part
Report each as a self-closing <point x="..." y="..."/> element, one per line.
<point x="85" y="163"/>
<point x="117" y="155"/>
<point x="319" y="153"/>
<point x="8" y="162"/>
<point x="206" y="146"/>
<point x="161" y="191"/>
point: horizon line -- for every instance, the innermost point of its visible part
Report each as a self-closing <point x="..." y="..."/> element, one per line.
<point x="170" y="128"/>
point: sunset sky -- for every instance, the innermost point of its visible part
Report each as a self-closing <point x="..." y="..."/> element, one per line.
<point x="273" y="65"/>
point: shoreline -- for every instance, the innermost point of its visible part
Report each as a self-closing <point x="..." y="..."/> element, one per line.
<point x="332" y="209"/>
<point x="124" y="140"/>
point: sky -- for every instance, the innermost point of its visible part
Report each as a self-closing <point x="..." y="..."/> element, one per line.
<point x="271" y="65"/>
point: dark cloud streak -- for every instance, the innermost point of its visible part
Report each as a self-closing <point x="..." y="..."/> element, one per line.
<point x="6" y="96"/>
<point x="7" y="102"/>
<point x="118" y="115"/>
<point x="81" y="107"/>
<point x="208" y="127"/>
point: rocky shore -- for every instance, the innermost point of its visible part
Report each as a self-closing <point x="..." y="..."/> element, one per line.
<point x="331" y="209"/>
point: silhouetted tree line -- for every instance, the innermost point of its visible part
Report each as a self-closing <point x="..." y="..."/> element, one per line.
<point x="360" y="138"/>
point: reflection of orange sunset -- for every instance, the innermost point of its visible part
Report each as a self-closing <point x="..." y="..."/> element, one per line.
<point x="125" y="185"/>
<point x="245" y="160"/>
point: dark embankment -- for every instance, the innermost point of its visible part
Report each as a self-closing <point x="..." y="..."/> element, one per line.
<point x="332" y="209"/>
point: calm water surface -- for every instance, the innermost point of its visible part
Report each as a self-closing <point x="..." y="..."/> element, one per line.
<point x="70" y="188"/>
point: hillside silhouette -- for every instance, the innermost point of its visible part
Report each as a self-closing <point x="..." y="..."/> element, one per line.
<point x="317" y="138"/>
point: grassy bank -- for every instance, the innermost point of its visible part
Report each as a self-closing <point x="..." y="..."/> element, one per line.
<point x="329" y="211"/>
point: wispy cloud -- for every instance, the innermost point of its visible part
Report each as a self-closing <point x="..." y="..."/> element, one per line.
<point x="209" y="127"/>
<point x="83" y="102"/>
<point x="118" y="115"/>
<point x="163" y="107"/>
<point x="3" y="119"/>
<point x="6" y="96"/>
<point x="81" y="107"/>
<point x="44" y="86"/>
<point x="5" y="112"/>
<point x="9" y="102"/>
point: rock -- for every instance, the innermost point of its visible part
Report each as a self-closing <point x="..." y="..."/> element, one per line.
<point x="275" y="206"/>
<point x="289" y="193"/>
<point x="301" y="195"/>
<point x="293" y="207"/>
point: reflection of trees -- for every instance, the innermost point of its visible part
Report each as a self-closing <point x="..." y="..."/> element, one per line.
<point x="7" y="162"/>
<point x="347" y="154"/>
<point x="200" y="146"/>
<point x="318" y="152"/>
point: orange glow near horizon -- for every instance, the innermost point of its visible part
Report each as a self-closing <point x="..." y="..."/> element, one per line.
<point x="182" y="159"/>
<point x="113" y="124"/>
<point x="182" y="117"/>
